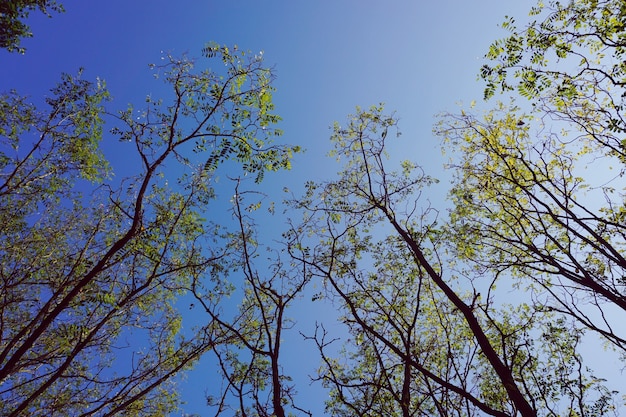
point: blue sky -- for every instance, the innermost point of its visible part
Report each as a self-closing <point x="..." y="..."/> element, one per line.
<point x="419" y="57"/>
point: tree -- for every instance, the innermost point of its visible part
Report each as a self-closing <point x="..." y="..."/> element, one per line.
<point x="480" y="311"/>
<point x="91" y="267"/>
<point x="423" y="340"/>
<point x="13" y="13"/>
<point x="538" y="213"/>
<point x="248" y="343"/>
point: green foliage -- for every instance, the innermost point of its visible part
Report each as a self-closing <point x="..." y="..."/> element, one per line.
<point x="535" y="208"/>
<point x="88" y="263"/>
<point x="422" y="339"/>
<point x="480" y="311"/>
<point x="409" y="351"/>
<point x="569" y="64"/>
<point x="536" y="205"/>
<point x="13" y="13"/>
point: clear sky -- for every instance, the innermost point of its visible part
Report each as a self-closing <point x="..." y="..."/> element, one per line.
<point x="419" y="57"/>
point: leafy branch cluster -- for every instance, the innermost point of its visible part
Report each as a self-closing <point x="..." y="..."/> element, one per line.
<point x="92" y="268"/>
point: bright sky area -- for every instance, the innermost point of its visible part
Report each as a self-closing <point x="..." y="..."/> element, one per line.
<point x="418" y="57"/>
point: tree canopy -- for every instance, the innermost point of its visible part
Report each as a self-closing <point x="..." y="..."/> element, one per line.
<point x="481" y="307"/>
<point x="89" y="263"/>
<point x="13" y="14"/>
<point x="548" y="193"/>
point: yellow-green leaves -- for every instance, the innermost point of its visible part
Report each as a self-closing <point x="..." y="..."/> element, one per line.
<point x="86" y="269"/>
<point x="535" y="201"/>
